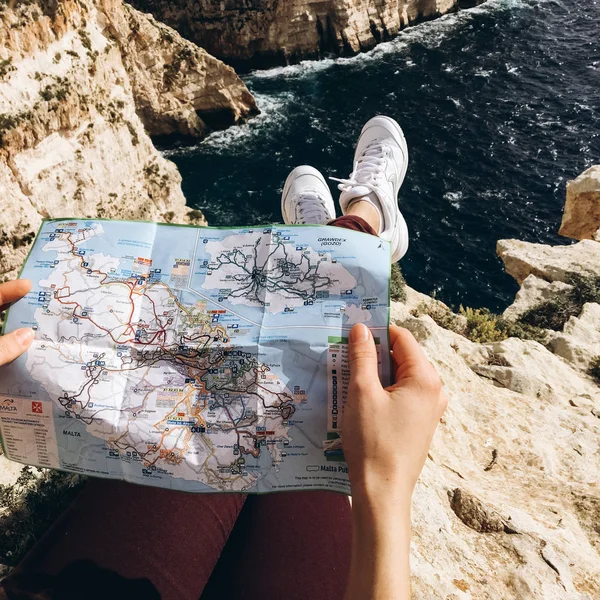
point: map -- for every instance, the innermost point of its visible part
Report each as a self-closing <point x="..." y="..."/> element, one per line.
<point x="192" y="358"/>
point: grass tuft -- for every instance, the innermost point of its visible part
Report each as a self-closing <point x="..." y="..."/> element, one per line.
<point x="480" y="324"/>
<point x="397" y="284"/>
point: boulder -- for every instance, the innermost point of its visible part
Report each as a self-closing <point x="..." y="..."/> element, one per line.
<point x="552" y="263"/>
<point x="581" y="217"/>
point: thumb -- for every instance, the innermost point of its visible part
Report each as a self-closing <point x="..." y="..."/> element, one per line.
<point x="14" y="344"/>
<point x="362" y="357"/>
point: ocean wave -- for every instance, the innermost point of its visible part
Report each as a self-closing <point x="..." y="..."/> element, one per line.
<point x="429" y="33"/>
<point x="272" y="111"/>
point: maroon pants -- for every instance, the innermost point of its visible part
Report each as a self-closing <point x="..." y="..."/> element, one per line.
<point x="123" y="541"/>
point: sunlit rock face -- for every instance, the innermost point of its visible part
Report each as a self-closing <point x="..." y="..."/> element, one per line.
<point x="82" y="84"/>
<point x="269" y="32"/>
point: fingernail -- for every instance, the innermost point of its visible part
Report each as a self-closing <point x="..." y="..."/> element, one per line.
<point x="24" y="336"/>
<point x="359" y="333"/>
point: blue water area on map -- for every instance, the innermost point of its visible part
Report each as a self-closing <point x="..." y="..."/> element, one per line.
<point x="500" y="107"/>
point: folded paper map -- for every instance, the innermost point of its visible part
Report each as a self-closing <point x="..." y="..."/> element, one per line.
<point x="192" y="358"/>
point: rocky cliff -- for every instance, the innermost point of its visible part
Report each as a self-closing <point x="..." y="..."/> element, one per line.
<point x="274" y="32"/>
<point x="508" y="505"/>
<point x="82" y="85"/>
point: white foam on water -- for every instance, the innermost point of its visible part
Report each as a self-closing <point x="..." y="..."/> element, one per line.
<point x="272" y="113"/>
<point x="429" y="33"/>
<point x="454" y="198"/>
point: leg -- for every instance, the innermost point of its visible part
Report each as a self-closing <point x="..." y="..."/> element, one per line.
<point x="362" y="216"/>
<point x="290" y="546"/>
<point x="369" y="198"/>
<point x="119" y="540"/>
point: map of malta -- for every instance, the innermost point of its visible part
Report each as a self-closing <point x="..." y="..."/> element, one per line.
<point x="192" y="358"/>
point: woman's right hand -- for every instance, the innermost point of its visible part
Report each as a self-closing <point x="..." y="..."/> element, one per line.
<point x="386" y="433"/>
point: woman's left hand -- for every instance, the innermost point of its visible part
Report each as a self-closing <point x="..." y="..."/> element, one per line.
<point x="16" y="342"/>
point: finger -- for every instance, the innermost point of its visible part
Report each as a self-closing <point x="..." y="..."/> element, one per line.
<point x="394" y="332"/>
<point x="362" y="357"/>
<point x="13" y="290"/>
<point x="408" y="355"/>
<point x="14" y="344"/>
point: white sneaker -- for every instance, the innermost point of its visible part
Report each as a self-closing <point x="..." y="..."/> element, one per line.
<point x="306" y="198"/>
<point x="380" y="164"/>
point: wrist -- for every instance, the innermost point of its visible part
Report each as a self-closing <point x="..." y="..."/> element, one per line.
<point x="384" y="508"/>
<point x="371" y="488"/>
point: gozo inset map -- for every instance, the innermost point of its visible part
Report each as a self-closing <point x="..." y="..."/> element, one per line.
<point x="192" y="358"/>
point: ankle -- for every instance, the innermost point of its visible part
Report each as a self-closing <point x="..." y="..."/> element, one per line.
<point x="364" y="208"/>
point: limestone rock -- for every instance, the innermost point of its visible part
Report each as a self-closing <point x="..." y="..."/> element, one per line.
<point x="552" y="263"/>
<point x="269" y="32"/>
<point x="579" y="342"/>
<point x="177" y="87"/>
<point x="535" y="371"/>
<point x="581" y="217"/>
<point x="79" y="85"/>
<point x="519" y="469"/>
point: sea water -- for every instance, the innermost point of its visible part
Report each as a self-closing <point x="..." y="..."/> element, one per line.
<point x="500" y="106"/>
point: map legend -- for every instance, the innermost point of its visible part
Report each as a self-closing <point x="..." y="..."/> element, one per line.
<point x="27" y="430"/>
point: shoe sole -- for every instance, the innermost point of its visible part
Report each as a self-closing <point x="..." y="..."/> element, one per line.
<point x="400" y="237"/>
<point x="288" y="183"/>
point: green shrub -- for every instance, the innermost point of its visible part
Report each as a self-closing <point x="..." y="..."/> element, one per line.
<point x="397" y="284"/>
<point x="553" y="314"/>
<point x="135" y="138"/>
<point x="171" y="70"/>
<point x="86" y="41"/>
<point x="480" y="324"/>
<point x="6" y="66"/>
<point x="195" y="216"/>
<point x="58" y="90"/>
<point x="29" y="507"/>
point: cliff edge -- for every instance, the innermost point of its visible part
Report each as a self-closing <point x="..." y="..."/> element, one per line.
<point x="83" y="83"/>
<point x="265" y="33"/>
<point x="508" y="504"/>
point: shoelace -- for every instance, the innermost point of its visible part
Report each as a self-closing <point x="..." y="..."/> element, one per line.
<point x="369" y="169"/>
<point x="311" y="208"/>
